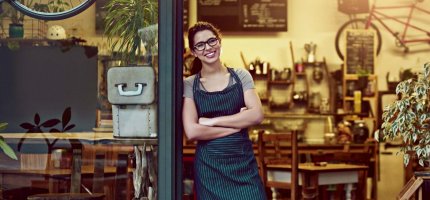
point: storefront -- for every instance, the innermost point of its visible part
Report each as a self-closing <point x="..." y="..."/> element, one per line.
<point x="305" y="61"/>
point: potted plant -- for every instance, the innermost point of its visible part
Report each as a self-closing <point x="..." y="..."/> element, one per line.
<point x="4" y="146"/>
<point x="123" y="20"/>
<point x="16" y="27"/>
<point x="363" y="79"/>
<point x="408" y="118"/>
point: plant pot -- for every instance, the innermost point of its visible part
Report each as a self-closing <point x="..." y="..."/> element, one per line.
<point x="362" y="82"/>
<point x="16" y="30"/>
<point x="360" y="132"/>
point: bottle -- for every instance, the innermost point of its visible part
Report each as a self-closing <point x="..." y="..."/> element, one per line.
<point x="357" y="101"/>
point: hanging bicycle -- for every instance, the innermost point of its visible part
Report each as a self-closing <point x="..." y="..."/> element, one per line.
<point x="50" y="9"/>
<point x="353" y="7"/>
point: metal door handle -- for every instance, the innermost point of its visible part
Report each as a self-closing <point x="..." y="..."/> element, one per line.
<point x="130" y="93"/>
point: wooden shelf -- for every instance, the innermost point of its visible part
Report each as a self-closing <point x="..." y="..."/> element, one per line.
<point x="280" y="82"/>
<point x="297" y="115"/>
<point x="259" y="76"/>
<point x="300" y="74"/>
<point x="355" y="76"/>
<point x="264" y="99"/>
<point x="363" y="98"/>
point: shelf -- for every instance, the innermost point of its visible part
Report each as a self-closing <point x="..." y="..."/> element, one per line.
<point x="316" y="63"/>
<point x="300" y="73"/>
<point x="280" y="82"/>
<point x="279" y="106"/>
<point x="370" y="98"/>
<point x="296" y="115"/>
<point x="264" y="99"/>
<point x="259" y="76"/>
<point x="355" y="77"/>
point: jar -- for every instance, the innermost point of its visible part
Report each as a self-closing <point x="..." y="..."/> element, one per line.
<point x="360" y="131"/>
<point x="299" y="67"/>
<point x="285" y="74"/>
<point x="317" y="74"/>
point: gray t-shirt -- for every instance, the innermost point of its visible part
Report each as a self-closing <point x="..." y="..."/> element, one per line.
<point x="243" y="74"/>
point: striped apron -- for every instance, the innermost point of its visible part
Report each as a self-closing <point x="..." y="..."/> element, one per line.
<point x="225" y="168"/>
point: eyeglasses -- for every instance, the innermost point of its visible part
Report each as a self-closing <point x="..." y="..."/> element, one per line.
<point x="202" y="45"/>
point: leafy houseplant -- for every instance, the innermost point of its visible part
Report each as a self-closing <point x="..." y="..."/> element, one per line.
<point x="16" y="29"/>
<point x="409" y="118"/>
<point x="15" y="16"/>
<point x="123" y="20"/>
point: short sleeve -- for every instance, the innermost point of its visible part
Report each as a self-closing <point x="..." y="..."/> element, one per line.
<point x="188" y="86"/>
<point x="246" y="79"/>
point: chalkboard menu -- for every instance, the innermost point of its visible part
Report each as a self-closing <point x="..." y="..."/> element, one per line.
<point x="360" y="51"/>
<point x="244" y="15"/>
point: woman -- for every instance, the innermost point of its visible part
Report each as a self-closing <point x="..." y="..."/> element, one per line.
<point x="219" y="104"/>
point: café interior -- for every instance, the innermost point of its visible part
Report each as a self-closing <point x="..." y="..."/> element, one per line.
<point x="323" y="70"/>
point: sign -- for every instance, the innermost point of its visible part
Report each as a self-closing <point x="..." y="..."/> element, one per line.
<point x="244" y="15"/>
<point x="360" y="51"/>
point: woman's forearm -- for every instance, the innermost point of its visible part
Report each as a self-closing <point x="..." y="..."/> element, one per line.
<point x="244" y="119"/>
<point x="202" y="132"/>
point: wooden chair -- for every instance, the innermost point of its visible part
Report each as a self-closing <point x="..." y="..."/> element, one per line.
<point x="411" y="190"/>
<point x="97" y="192"/>
<point x="274" y="149"/>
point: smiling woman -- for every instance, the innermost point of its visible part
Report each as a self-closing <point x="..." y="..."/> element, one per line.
<point x="219" y="104"/>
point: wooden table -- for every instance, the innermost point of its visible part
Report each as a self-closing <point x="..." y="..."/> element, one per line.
<point x="76" y="141"/>
<point x="311" y="176"/>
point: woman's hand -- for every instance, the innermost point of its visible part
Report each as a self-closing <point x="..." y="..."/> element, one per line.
<point x="243" y="109"/>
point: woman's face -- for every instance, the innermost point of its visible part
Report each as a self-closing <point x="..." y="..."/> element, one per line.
<point x="207" y="47"/>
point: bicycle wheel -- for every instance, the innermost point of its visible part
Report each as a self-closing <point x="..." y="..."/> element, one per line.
<point x="51" y="9"/>
<point x="354" y="24"/>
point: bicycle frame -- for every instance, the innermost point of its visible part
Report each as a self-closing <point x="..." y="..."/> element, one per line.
<point x="375" y="13"/>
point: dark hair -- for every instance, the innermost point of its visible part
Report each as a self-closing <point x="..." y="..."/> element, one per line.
<point x="196" y="65"/>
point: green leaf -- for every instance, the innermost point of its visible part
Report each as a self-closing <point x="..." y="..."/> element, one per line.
<point x="7" y="150"/>
<point x="3" y="126"/>
<point x="423" y="118"/>
<point x="405" y="159"/>
<point x="376" y="135"/>
<point x="427" y="70"/>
